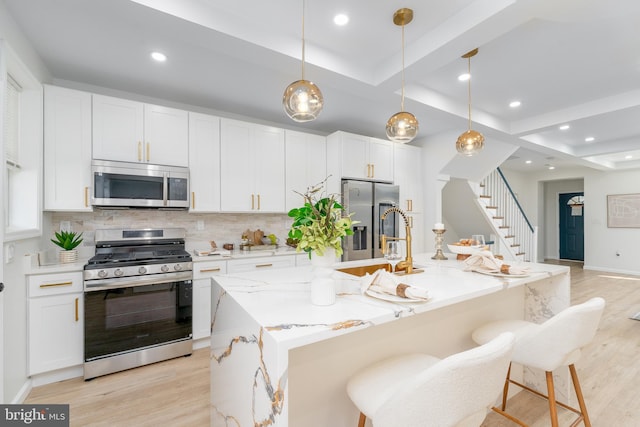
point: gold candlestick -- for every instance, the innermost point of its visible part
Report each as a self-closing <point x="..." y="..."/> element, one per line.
<point x="439" y="239"/>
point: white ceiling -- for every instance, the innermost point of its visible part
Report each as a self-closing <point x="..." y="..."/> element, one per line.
<point x="573" y="62"/>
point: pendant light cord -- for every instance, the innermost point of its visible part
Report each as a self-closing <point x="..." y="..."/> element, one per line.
<point x="402" y="97"/>
<point x="469" y="59"/>
<point x="303" y="3"/>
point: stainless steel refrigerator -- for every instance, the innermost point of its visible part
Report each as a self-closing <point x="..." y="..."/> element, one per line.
<point x="368" y="201"/>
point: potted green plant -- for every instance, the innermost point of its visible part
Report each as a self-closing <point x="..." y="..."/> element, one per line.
<point x="68" y="241"/>
<point x="320" y="224"/>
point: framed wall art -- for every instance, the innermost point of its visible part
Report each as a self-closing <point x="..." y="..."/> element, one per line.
<point x="623" y="210"/>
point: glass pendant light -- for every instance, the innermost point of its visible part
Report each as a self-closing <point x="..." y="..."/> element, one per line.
<point x="471" y="141"/>
<point x="302" y="99"/>
<point x="403" y="126"/>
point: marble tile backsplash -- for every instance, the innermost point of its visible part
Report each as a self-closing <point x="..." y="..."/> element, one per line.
<point x="220" y="227"/>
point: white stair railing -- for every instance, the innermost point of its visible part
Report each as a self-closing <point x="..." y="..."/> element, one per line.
<point x="509" y="220"/>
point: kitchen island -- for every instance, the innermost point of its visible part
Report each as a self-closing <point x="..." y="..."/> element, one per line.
<point x="276" y="359"/>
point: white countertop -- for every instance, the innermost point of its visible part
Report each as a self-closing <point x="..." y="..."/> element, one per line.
<point x="278" y="300"/>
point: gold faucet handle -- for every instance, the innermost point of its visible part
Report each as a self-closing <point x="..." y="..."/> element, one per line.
<point x="383" y="242"/>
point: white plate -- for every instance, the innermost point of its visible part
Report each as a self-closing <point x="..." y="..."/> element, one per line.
<point x="392" y="298"/>
<point x="491" y="273"/>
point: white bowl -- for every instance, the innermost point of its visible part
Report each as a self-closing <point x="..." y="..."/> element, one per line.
<point x="464" y="250"/>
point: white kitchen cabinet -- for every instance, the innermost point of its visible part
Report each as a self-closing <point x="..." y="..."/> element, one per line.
<point x="306" y="165"/>
<point x="260" y="263"/>
<point x="204" y="162"/>
<point x="132" y="131"/>
<point x="359" y="157"/>
<point x="202" y="274"/>
<point x="408" y="175"/>
<point x="252" y="168"/>
<point x="67" y="149"/>
<point x="56" y="321"/>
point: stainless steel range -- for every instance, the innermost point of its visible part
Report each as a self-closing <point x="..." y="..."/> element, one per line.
<point x="138" y="299"/>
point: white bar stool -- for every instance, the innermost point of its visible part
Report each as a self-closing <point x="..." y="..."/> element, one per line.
<point x="556" y="342"/>
<point x="416" y="389"/>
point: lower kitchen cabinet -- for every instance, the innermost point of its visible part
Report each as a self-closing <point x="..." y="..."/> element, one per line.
<point x="202" y="274"/>
<point x="260" y="263"/>
<point x="56" y="321"/>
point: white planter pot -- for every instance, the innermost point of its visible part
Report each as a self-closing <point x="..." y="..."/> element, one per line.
<point x="323" y="289"/>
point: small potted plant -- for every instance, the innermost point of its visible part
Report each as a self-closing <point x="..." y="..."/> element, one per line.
<point x="68" y="241"/>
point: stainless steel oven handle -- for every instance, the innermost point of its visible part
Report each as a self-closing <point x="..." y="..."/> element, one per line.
<point x="128" y="282"/>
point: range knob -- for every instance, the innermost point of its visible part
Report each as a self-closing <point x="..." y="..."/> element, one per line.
<point x="102" y="274"/>
<point x="177" y="267"/>
<point x="142" y="270"/>
<point x="118" y="272"/>
<point x="164" y="268"/>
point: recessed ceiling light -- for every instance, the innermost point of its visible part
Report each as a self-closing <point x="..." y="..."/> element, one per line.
<point x="629" y="156"/>
<point x="514" y="104"/>
<point x="341" y="19"/>
<point x="564" y="127"/>
<point x="464" y="77"/>
<point x="589" y="139"/>
<point x="528" y="162"/>
<point x="551" y="167"/>
<point x="159" y="56"/>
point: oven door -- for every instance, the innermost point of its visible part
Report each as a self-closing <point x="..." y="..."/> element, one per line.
<point x="129" y="318"/>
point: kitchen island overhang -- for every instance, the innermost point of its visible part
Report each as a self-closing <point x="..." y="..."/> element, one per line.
<point x="278" y="360"/>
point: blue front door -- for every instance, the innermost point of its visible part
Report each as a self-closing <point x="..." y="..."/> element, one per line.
<point x="571" y="228"/>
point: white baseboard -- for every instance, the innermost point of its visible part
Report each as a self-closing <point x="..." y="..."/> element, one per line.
<point x="201" y="343"/>
<point x="612" y="270"/>
<point x="22" y="393"/>
<point x="57" y="375"/>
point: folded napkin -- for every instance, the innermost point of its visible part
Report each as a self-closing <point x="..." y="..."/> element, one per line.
<point x="384" y="282"/>
<point x="485" y="262"/>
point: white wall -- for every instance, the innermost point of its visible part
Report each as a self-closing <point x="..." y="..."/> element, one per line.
<point x="14" y="312"/>
<point x="601" y="242"/>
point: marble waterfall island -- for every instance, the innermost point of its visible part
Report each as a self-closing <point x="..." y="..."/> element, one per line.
<point x="278" y="360"/>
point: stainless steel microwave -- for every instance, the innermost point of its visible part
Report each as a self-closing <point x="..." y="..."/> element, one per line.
<point x="139" y="185"/>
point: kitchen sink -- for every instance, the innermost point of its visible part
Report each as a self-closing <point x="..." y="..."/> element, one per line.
<point x="364" y="269"/>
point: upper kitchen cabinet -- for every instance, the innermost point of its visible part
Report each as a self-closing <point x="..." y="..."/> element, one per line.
<point x="408" y="175"/>
<point x="359" y="157"/>
<point x="252" y="169"/>
<point x="131" y="131"/>
<point x="204" y="162"/>
<point x="306" y="164"/>
<point x="67" y="149"/>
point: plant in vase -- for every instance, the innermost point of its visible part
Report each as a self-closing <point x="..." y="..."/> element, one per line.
<point x="320" y="223"/>
<point x="68" y="241"/>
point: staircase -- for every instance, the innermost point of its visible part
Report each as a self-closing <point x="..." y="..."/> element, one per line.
<point x="517" y="237"/>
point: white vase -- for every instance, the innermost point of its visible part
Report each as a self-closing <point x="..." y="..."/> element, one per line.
<point x="68" y="256"/>
<point x="323" y="289"/>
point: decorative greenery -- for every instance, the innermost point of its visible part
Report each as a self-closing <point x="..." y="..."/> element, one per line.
<point x="67" y="240"/>
<point x="320" y="223"/>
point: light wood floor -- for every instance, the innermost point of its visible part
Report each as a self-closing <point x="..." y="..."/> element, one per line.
<point x="176" y="392"/>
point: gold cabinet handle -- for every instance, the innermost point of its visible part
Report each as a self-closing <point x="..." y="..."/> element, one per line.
<point x="148" y="150"/>
<point x="258" y="202"/>
<point x="77" y="314"/>
<point x="252" y="202"/>
<point x="373" y="171"/>
<point x="210" y="270"/>
<point x="411" y="222"/>
<point x="193" y="200"/>
<point x="264" y="265"/>
<point x="53" y="285"/>
<point x="139" y="151"/>
<point x="368" y="170"/>
<point x="86" y="197"/>
<point x="410" y="204"/>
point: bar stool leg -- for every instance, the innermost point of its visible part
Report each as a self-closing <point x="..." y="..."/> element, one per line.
<point x="362" y="420"/>
<point x="552" y="399"/>
<point x="576" y="387"/>
<point x="505" y="391"/>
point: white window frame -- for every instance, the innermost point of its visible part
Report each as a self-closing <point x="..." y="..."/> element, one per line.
<point x="25" y="206"/>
